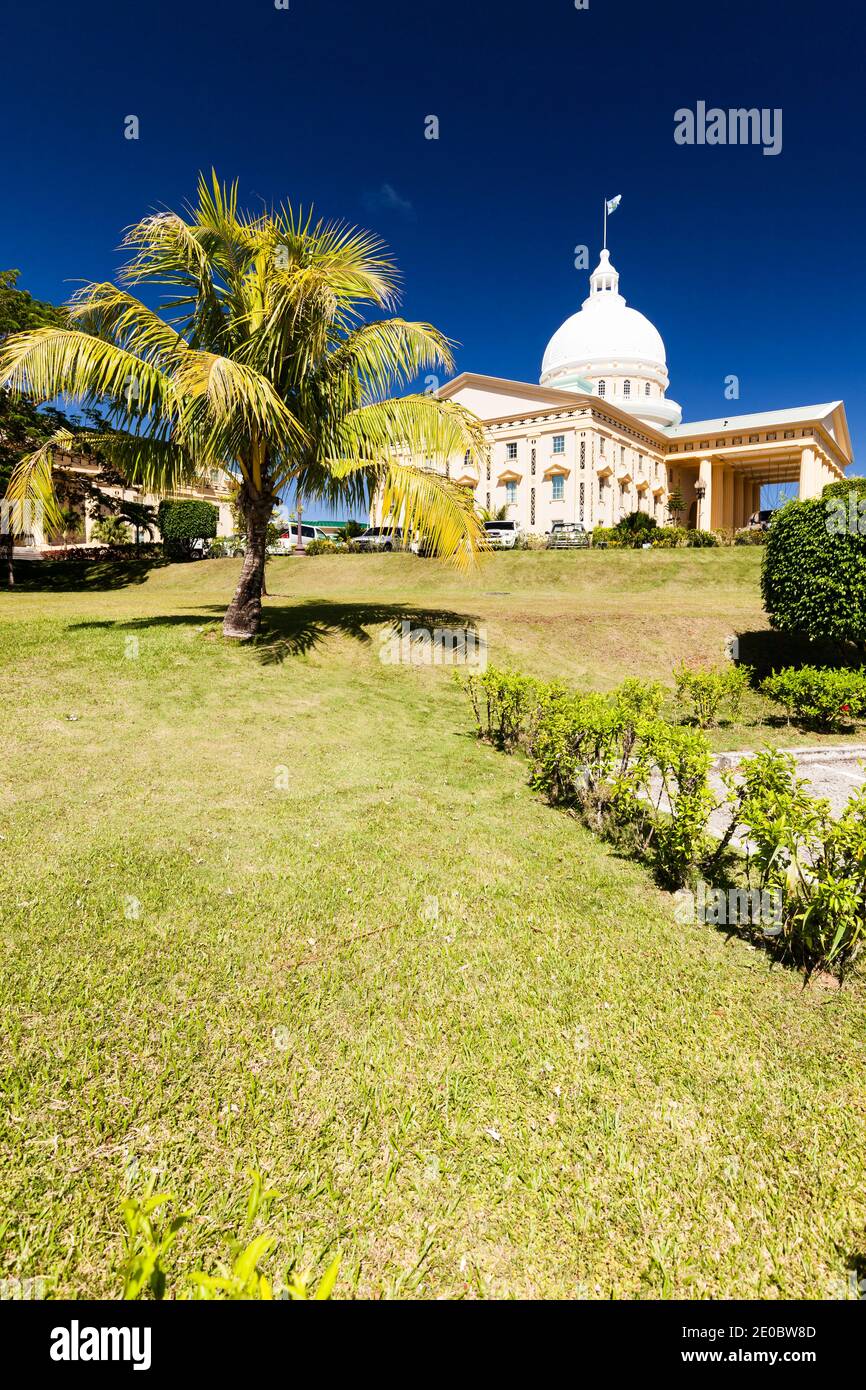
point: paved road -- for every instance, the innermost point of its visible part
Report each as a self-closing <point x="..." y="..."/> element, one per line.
<point x="833" y="773"/>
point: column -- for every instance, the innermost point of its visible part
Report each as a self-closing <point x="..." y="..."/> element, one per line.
<point x="705" y="503"/>
<point x="808" y="474"/>
<point x="739" y="504"/>
<point x="728" y="499"/>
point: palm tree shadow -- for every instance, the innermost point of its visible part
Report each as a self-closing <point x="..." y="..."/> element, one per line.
<point x="304" y="627"/>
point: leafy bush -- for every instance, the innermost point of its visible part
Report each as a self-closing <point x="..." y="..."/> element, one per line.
<point x="110" y="530"/>
<point x="750" y="535"/>
<point x="644" y="784"/>
<point x="636" y="529"/>
<point x="607" y="536"/>
<point x="814" y="572"/>
<point x="504" y="702"/>
<point x="821" y="696"/>
<point x="704" y="694"/>
<point x="321" y="547"/>
<point x="629" y="774"/>
<point x="669" y="537"/>
<point x="181" y="523"/>
<point x="814" y="865"/>
<point x="698" y="540"/>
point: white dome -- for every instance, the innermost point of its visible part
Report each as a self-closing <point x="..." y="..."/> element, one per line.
<point x="613" y="350"/>
<point x="605" y="331"/>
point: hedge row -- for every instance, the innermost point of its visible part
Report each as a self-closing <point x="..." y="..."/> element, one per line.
<point x="643" y="783"/>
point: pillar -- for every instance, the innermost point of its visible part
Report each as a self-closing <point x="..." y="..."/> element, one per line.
<point x="808" y="474"/>
<point x="705" y="503"/>
<point x="728" y="499"/>
<point x="739" y="502"/>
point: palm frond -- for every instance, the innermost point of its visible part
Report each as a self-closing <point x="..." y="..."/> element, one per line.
<point x="48" y="362"/>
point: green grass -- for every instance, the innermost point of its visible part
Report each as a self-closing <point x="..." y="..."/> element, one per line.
<point x="466" y="1042"/>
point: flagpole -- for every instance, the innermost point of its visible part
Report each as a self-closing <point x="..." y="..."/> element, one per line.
<point x="605" y="224"/>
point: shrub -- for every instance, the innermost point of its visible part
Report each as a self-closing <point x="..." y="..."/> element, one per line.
<point x="698" y="540"/>
<point x="669" y="537"/>
<point x="110" y="530"/>
<point x="750" y="535"/>
<point x="504" y="703"/>
<point x="635" y="529"/>
<point x="821" y="696"/>
<point x="321" y="547"/>
<point x="705" y="693"/>
<point x="814" y="866"/>
<point x="607" y="536"/>
<point x="181" y="523"/>
<point x="814" y="571"/>
<point x="629" y="774"/>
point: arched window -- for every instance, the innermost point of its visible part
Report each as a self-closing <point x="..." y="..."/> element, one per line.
<point x="601" y="388"/>
<point x="626" y="388"/>
<point x="646" y="389"/>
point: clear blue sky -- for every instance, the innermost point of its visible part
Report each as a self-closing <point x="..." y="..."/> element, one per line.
<point x="747" y="264"/>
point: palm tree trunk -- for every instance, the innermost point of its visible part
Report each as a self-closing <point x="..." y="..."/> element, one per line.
<point x="244" y="613"/>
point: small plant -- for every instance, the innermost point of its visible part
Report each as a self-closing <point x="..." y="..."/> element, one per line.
<point x="705" y="694"/>
<point x="322" y="547"/>
<point x="823" y="697"/>
<point x="698" y="540"/>
<point x="110" y="530"/>
<point x="669" y="537"/>
<point x="150" y="1235"/>
<point x="815" y="864"/>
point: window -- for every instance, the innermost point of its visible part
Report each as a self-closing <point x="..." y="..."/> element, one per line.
<point x="646" y="389"/>
<point x="532" y="461"/>
<point x="559" y="443"/>
<point x="601" y="388"/>
<point x="467" y="458"/>
<point x="583" y="453"/>
<point x="626" y="388"/>
<point x="532" y="506"/>
<point x="511" y="492"/>
<point x="511" y="451"/>
<point x="558" y="488"/>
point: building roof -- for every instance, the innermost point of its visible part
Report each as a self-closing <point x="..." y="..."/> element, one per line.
<point x="798" y="414"/>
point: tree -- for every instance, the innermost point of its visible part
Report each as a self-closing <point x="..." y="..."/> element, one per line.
<point x="814" y="568"/>
<point x="22" y="426"/>
<point x="676" y="505"/>
<point x="183" y="523"/>
<point x="494" y="513"/>
<point x="266" y="370"/>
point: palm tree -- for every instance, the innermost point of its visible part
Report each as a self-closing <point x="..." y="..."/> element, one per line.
<point x="265" y="369"/>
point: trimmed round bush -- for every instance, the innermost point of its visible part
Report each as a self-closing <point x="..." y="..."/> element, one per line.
<point x="813" y="576"/>
<point x="181" y="523"/>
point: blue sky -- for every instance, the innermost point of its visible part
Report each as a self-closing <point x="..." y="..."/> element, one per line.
<point x="748" y="264"/>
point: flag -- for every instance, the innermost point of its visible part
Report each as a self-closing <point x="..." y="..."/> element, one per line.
<point x="613" y="203"/>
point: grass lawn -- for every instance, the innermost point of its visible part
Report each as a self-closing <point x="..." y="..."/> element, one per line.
<point x="467" y="1044"/>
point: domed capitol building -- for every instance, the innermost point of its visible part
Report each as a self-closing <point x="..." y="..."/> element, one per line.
<point x="599" y="437"/>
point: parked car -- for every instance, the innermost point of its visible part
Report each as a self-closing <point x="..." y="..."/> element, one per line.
<point x="567" y="535"/>
<point x="760" y="521"/>
<point x="287" y="542"/>
<point x="502" y="535"/>
<point x="380" y="538"/>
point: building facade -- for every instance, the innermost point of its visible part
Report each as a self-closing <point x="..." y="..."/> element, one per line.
<point x="599" y="437"/>
<point x="80" y="484"/>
